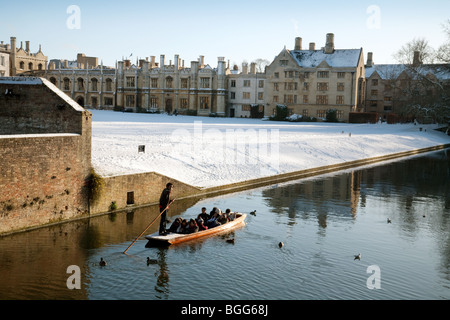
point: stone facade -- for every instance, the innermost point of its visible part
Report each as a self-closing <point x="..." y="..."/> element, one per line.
<point x="4" y="60"/>
<point x="23" y="60"/>
<point x="45" y="147"/>
<point x="147" y="86"/>
<point x="309" y="82"/>
<point x="246" y="92"/>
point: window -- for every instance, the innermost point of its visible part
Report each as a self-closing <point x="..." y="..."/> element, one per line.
<point x="204" y="83"/>
<point x="108" y="101"/>
<point x="306" y="86"/>
<point x="2" y="60"/>
<point x="275" y="98"/>
<point x="232" y="95"/>
<point x="373" y="103"/>
<point x="153" y="102"/>
<point x="340" y="114"/>
<point x="233" y="83"/>
<point x="246" y="83"/>
<point x="260" y="95"/>
<point x="108" y="84"/>
<point x="341" y="75"/>
<point x="321" y="113"/>
<point x="306" y="75"/>
<point x="94" y="101"/>
<point x="246" y="107"/>
<point x="94" y="83"/>
<point x="204" y="102"/>
<point x="53" y="80"/>
<point x="184" y="83"/>
<point x="66" y="84"/>
<point x="261" y="84"/>
<point x="289" y="74"/>
<point x="322" y="86"/>
<point x="30" y="66"/>
<point x="129" y="101"/>
<point x="374" y="82"/>
<point x="130" y="198"/>
<point x="284" y="62"/>
<point x="305" y="99"/>
<point x="184" y="103"/>
<point x="131" y="82"/>
<point x="339" y="99"/>
<point x="154" y="83"/>
<point x="321" y="99"/>
<point x="305" y="113"/>
<point x="276" y="75"/>
<point x="289" y="98"/>
<point x="22" y="65"/>
<point x="387" y="99"/>
<point x="169" y="82"/>
<point x="340" y="86"/>
<point x="80" y="82"/>
<point x="245" y="95"/>
<point x="374" y="92"/>
<point x="322" y="74"/>
<point x="275" y="86"/>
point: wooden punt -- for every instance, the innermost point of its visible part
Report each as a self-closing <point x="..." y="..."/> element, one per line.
<point x="175" y="238"/>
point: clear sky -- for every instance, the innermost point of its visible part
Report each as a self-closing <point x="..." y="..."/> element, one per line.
<point x="237" y="30"/>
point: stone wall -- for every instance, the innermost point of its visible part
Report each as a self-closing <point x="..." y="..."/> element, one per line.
<point x="137" y="190"/>
<point x="45" y="154"/>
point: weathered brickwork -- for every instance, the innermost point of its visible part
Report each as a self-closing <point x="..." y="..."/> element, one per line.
<point x="45" y="154"/>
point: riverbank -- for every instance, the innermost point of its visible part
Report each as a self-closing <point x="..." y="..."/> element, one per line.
<point x="210" y="153"/>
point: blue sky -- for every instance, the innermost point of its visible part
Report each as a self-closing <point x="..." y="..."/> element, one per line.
<point x="237" y="30"/>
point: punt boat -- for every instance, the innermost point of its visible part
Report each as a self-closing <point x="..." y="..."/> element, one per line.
<point x="175" y="238"/>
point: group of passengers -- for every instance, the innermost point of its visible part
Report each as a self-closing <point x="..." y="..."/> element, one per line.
<point x="204" y="221"/>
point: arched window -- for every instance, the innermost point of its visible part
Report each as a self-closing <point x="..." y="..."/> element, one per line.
<point x="53" y="80"/>
<point x="109" y="85"/>
<point x="66" y="84"/>
<point x="80" y="82"/>
<point x="40" y="66"/>
<point x="30" y="66"/>
<point x="22" y="65"/>
<point x="94" y="82"/>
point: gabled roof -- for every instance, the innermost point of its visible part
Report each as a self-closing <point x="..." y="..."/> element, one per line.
<point x="338" y="59"/>
<point x="393" y="71"/>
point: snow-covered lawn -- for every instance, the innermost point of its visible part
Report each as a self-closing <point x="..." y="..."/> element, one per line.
<point x="206" y="152"/>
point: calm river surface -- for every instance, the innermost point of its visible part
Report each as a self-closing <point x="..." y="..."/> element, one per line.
<point x="323" y="222"/>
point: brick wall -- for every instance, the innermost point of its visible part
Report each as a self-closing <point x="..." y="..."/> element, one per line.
<point x="45" y="154"/>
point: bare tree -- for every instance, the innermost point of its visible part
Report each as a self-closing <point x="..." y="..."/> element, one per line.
<point x="406" y="53"/>
<point x="261" y="65"/>
<point x="443" y="53"/>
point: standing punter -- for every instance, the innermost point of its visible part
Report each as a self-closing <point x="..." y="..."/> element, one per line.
<point x="164" y="202"/>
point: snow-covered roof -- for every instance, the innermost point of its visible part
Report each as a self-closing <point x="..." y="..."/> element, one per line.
<point x="392" y="71"/>
<point x="21" y="80"/>
<point x="338" y="59"/>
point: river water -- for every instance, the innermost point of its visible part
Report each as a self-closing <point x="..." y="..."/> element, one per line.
<point x="323" y="223"/>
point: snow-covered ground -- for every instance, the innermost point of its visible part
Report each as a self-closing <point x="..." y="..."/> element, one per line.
<point x="206" y="152"/>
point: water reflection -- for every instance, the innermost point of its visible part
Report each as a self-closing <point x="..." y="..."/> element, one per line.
<point x="323" y="222"/>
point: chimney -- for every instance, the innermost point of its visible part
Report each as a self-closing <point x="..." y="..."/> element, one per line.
<point x="244" y="68"/>
<point x="161" y="60"/>
<point x="127" y="63"/>
<point x="416" y="60"/>
<point x="253" y="68"/>
<point x="312" y="46"/>
<point x="27" y="46"/>
<point x="177" y="62"/>
<point x="369" y="59"/>
<point x="202" y="61"/>
<point x="152" y="61"/>
<point x="298" y="43"/>
<point x="329" y="46"/>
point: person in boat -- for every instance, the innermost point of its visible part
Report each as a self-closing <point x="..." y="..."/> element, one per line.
<point x="201" y="225"/>
<point x="231" y="215"/>
<point x="175" y="225"/>
<point x="214" y="220"/>
<point x="192" y="227"/>
<point x="164" y="202"/>
<point x="203" y="215"/>
<point x="223" y="218"/>
<point x="211" y="213"/>
<point x="182" y="227"/>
